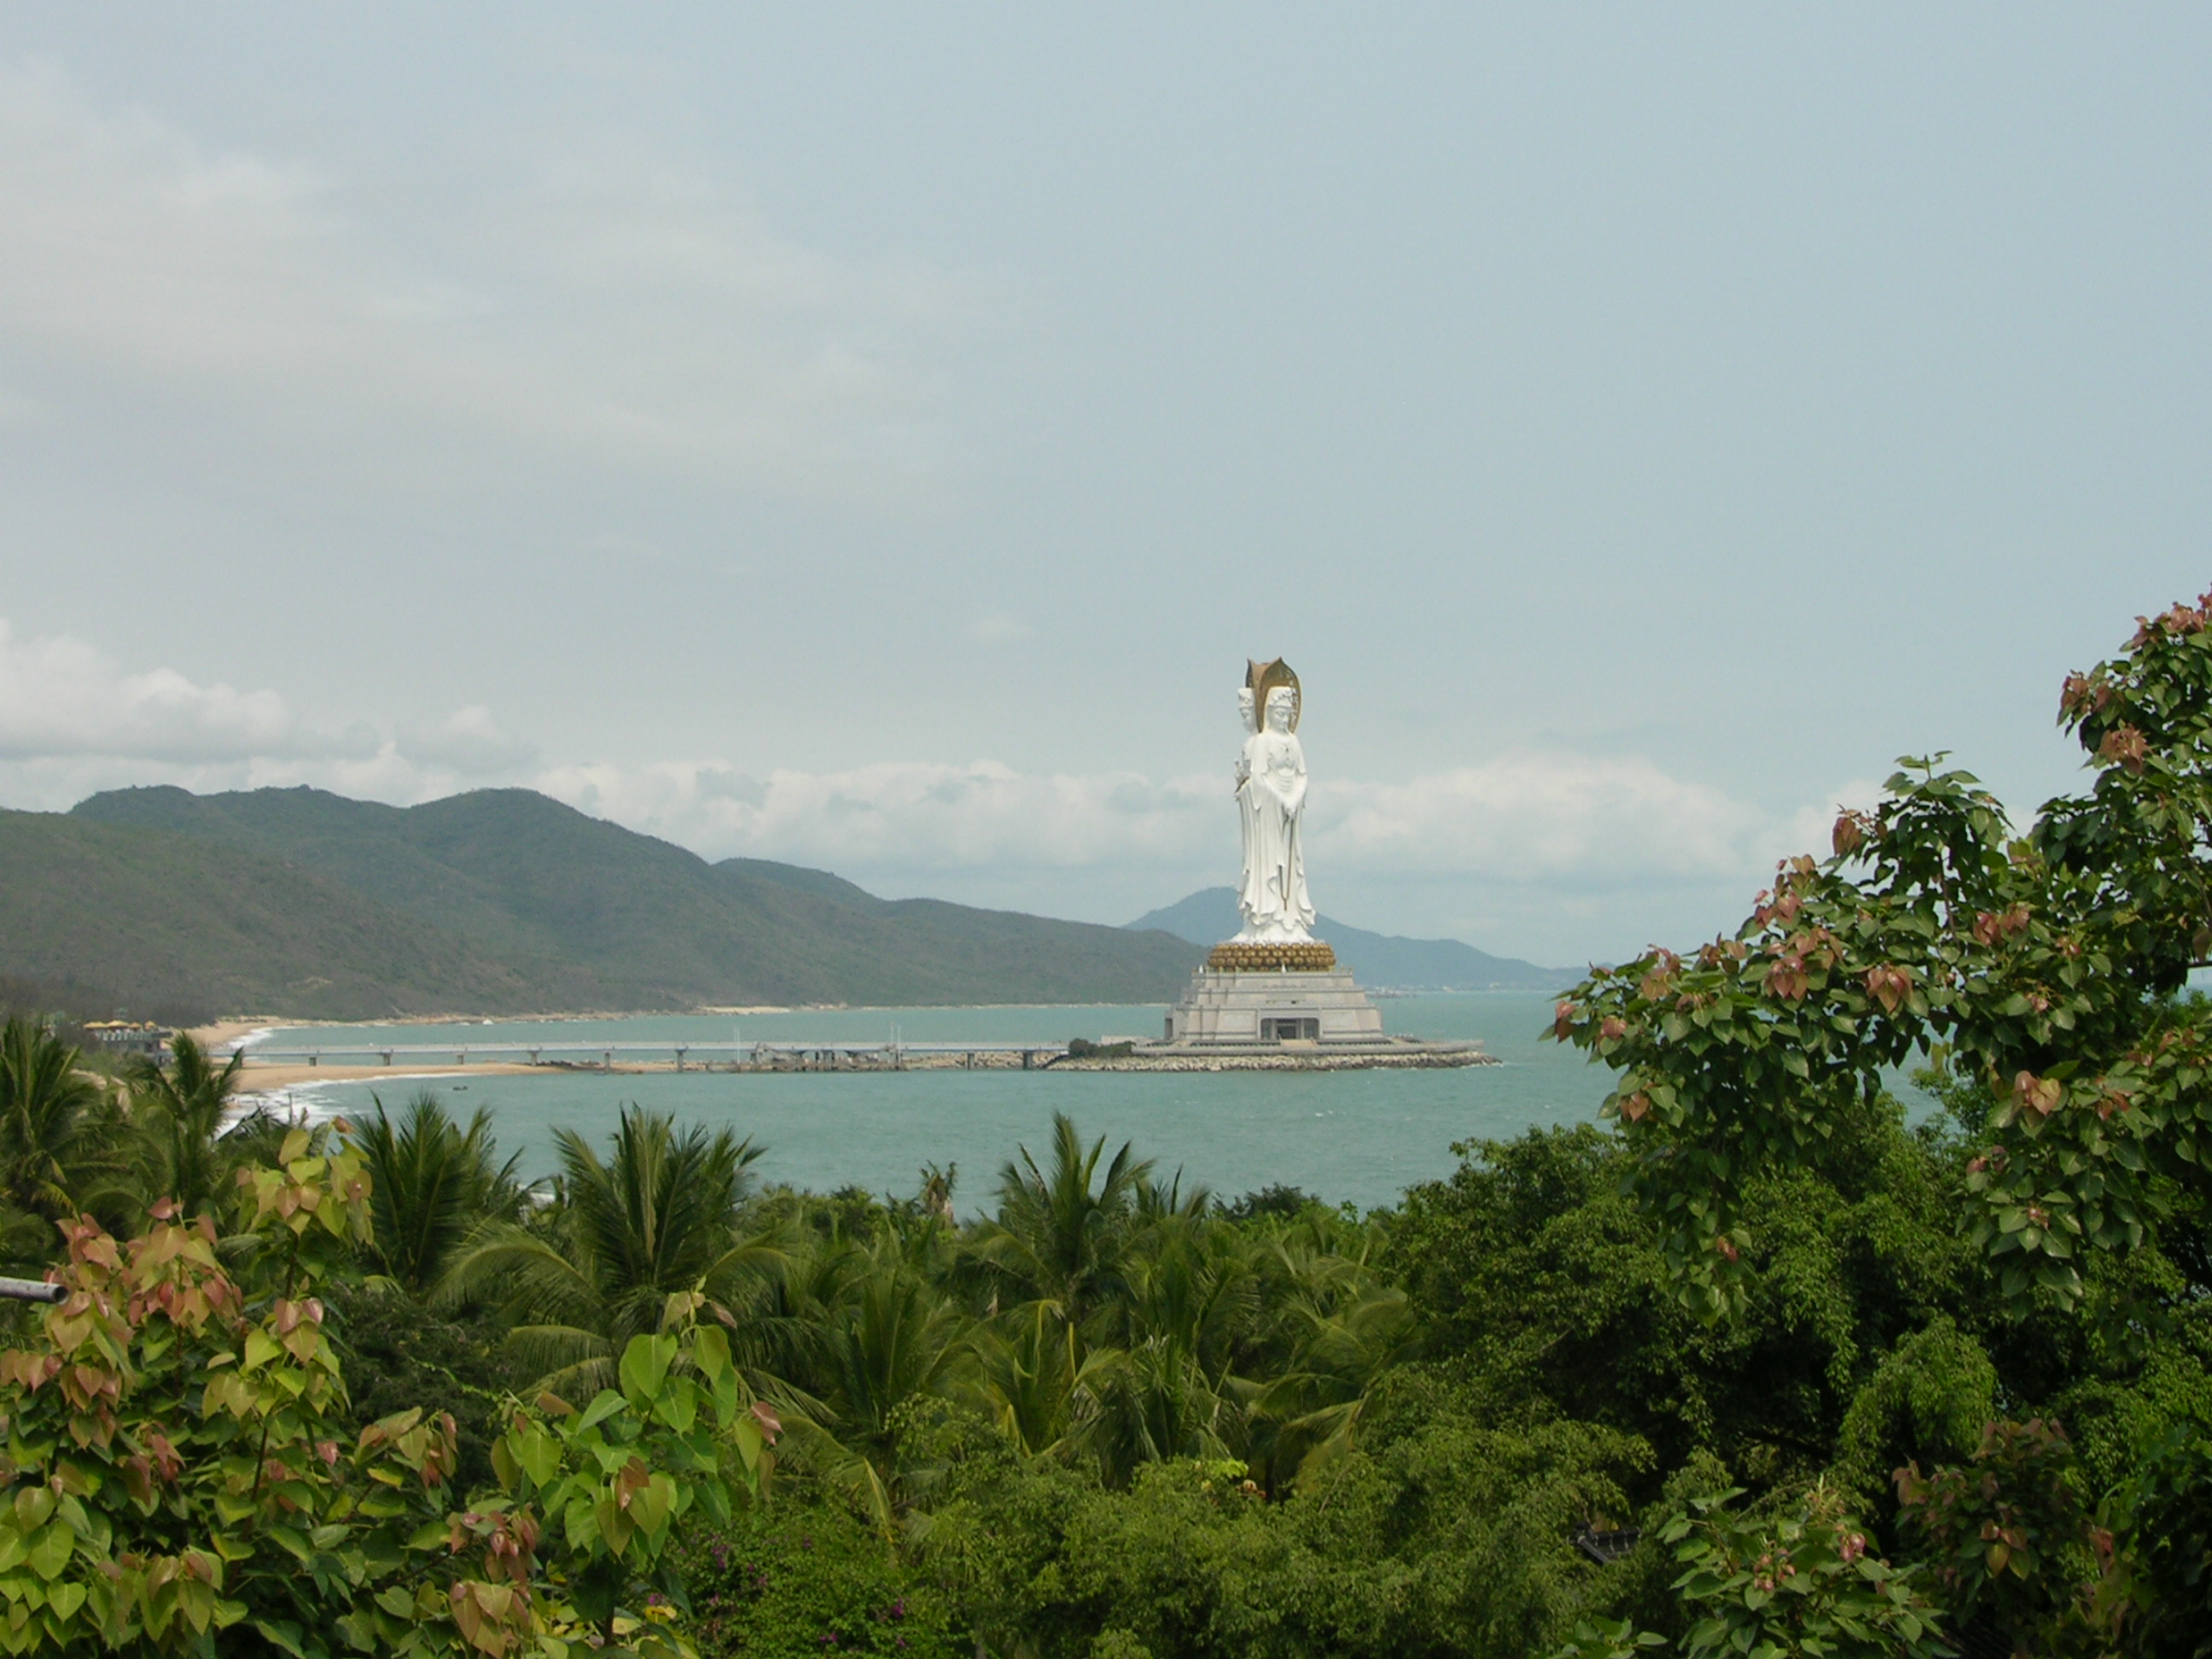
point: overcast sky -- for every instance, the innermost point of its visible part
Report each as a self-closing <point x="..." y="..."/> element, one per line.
<point x="875" y="438"/>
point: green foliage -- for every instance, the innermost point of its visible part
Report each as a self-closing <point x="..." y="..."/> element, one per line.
<point x="2046" y="967"/>
<point x="1062" y="1232"/>
<point x="2162" y="1590"/>
<point x="61" y="1135"/>
<point x="1802" y="1582"/>
<point x="177" y="1110"/>
<point x="178" y="1480"/>
<point x="400" y="1355"/>
<point x="170" y="1442"/>
<point x="805" y="1577"/>
<point x="630" y="1240"/>
<point x="2013" y="1539"/>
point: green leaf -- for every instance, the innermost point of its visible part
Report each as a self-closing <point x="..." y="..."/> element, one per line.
<point x="538" y="1453"/>
<point x="679" y="1404"/>
<point x="51" y="1550"/>
<point x="645" y="1365"/>
<point x="604" y="1405"/>
<point x="710" y="1353"/>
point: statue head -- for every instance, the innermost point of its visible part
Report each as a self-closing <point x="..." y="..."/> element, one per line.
<point x="1244" y="708"/>
<point x="1283" y="709"/>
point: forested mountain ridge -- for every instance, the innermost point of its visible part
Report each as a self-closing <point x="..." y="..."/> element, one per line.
<point x="510" y="901"/>
<point x="157" y="921"/>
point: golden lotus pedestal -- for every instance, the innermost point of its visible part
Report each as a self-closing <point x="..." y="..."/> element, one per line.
<point x="1313" y="957"/>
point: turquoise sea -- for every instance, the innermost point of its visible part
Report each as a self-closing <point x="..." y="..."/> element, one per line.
<point x="1361" y="1136"/>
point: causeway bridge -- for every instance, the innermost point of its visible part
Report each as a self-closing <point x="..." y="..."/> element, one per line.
<point x="810" y="1056"/>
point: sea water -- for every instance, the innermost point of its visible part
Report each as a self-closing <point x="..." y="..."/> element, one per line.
<point x="1356" y="1136"/>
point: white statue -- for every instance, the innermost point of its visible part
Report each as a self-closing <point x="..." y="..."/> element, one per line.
<point x="1271" y="797"/>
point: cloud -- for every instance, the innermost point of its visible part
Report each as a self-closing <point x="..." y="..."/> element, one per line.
<point x="62" y="697"/>
<point x="622" y="309"/>
<point x="73" y="720"/>
<point x="1537" y="816"/>
<point x="469" y="741"/>
<point x="907" y="814"/>
<point x="1533" y="819"/>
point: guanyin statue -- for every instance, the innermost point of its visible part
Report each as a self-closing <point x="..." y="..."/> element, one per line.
<point x="1271" y="798"/>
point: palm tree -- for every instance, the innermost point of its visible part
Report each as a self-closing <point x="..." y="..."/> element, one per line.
<point x="60" y="1132"/>
<point x="1158" y="1404"/>
<point x="178" y="1112"/>
<point x="431" y="1183"/>
<point x="1038" y="1379"/>
<point x="1058" y="1236"/>
<point x="893" y="1339"/>
<point x="1338" y="1327"/>
<point x="644" y="1239"/>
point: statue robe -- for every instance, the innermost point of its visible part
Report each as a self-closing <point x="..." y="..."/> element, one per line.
<point x="1277" y="907"/>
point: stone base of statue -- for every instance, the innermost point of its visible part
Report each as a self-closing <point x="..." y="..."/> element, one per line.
<point x="1286" y="1006"/>
<point x="1233" y="1001"/>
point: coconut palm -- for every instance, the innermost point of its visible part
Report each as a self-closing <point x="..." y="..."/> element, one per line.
<point x="178" y="1111"/>
<point x="1038" y="1378"/>
<point x="1063" y="1234"/>
<point x="61" y="1136"/>
<point x="1157" y="1403"/>
<point x="1192" y="1286"/>
<point x="893" y="1339"/>
<point x="645" y="1238"/>
<point x="432" y="1183"/>
<point x="1336" y="1327"/>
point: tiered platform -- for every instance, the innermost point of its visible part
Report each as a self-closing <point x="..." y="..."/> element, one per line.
<point x="1244" y="1008"/>
<point x="1279" y="1007"/>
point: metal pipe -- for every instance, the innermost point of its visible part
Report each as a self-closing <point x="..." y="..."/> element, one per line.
<point x="31" y="1290"/>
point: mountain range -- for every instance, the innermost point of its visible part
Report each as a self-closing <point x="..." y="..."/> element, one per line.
<point x="304" y="903"/>
<point x="1377" y="959"/>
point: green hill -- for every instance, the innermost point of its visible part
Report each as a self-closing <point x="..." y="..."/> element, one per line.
<point x="159" y="920"/>
<point x="300" y="902"/>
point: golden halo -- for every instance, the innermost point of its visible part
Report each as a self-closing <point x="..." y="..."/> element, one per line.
<point x="1265" y="677"/>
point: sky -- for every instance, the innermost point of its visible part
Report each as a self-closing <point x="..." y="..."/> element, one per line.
<point x="876" y="437"/>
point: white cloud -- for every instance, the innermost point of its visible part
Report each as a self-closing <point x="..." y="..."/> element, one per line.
<point x="73" y="720"/>
<point x="1537" y="816"/>
<point x="62" y="697"/>
<point x="1533" y="819"/>
<point x="469" y="741"/>
<point x="624" y="310"/>
<point x="909" y="814"/>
